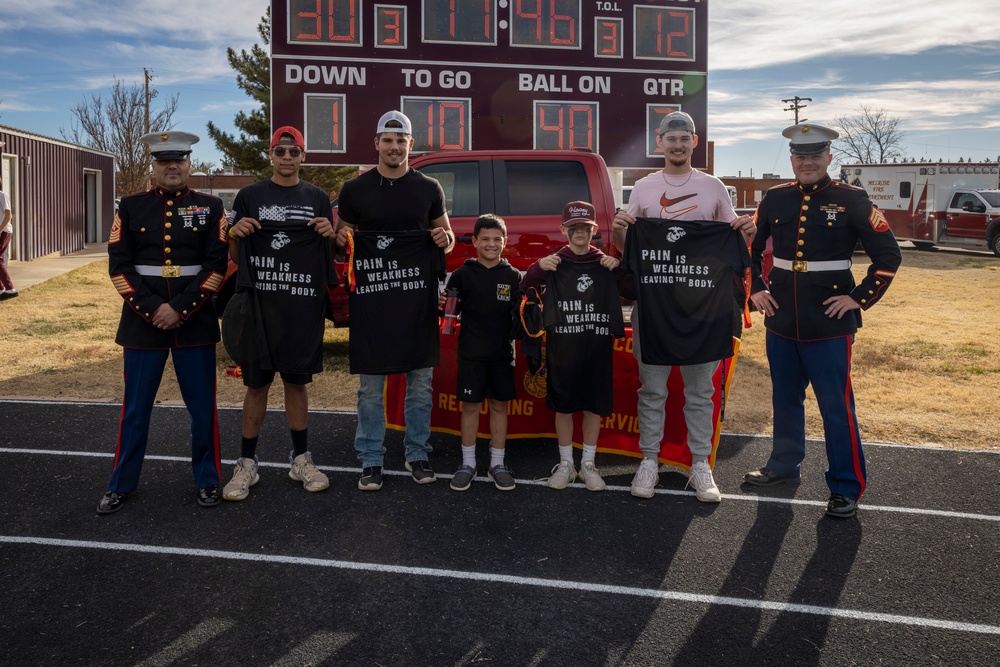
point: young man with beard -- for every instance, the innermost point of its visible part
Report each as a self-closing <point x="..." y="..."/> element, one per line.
<point x="676" y="192"/>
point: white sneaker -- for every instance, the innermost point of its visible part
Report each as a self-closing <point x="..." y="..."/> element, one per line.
<point x="304" y="470"/>
<point x="244" y="476"/>
<point x="590" y="476"/>
<point x="703" y="483"/>
<point x="646" y="477"/>
<point x="562" y="475"/>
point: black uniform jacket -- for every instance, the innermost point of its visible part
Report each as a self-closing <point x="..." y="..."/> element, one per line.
<point x="813" y="223"/>
<point x="173" y="228"/>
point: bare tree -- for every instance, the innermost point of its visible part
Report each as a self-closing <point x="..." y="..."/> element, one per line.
<point x="871" y="137"/>
<point x="203" y="167"/>
<point x="115" y="127"/>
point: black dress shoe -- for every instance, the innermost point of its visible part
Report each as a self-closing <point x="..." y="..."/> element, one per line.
<point x="111" y="502"/>
<point x="841" y="507"/>
<point x="209" y="496"/>
<point x="765" y="477"/>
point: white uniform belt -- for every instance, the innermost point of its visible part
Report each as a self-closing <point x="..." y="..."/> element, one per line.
<point x="802" y="266"/>
<point x="167" y="270"/>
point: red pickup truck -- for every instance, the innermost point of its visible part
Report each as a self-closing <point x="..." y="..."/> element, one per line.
<point x="527" y="188"/>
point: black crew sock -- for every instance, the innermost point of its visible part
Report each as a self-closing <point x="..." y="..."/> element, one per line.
<point x="249" y="447"/>
<point x="299" y="442"/>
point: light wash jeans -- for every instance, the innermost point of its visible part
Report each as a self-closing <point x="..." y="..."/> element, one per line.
<point x="369" y="439"/>
<point x="699" y="406"/>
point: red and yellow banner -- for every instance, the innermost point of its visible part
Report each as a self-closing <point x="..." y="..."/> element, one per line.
<point x="529" y="418"/>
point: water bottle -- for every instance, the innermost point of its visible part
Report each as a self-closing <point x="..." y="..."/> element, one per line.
<point x="450" y="312"/>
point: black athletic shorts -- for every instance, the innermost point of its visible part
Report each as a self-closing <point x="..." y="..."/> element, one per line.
<point x="255" y="377"/>
<point x="477" y="380"/>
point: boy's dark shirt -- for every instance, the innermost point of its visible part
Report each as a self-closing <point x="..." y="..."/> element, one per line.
<point x="488" y="299"/>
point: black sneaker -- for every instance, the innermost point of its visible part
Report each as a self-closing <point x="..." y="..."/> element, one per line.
<point x="841" y="507"/>
<point x="371" y="479"/>
<point x="462" y="479"/>
<point x="502" y="478"/>
<point x="422" y="472"/>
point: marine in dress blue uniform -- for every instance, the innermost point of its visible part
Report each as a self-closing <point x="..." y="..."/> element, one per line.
<point x="813" y="308"/>
<point x="167" y="259"/>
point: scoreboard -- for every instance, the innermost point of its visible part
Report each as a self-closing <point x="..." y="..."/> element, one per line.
<point x="594" y="75"/>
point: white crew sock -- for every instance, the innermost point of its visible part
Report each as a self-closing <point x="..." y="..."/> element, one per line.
<point x="469" y="455"/>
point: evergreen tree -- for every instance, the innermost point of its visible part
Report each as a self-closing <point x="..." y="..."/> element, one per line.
<point x="248" y="152"/>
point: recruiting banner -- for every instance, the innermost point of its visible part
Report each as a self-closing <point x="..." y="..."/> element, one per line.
<point x="529" y="418"/>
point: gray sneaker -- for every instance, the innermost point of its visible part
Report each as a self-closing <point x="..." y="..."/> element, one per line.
<point x="590" y="476"/>
<point x="462" y="479"/>
<point x="502" y="478"/>
<point x="244" y="476"/>
<point x="562" y="475"/>
<point x="646" y="478"/>
<point x="304" y="470"/>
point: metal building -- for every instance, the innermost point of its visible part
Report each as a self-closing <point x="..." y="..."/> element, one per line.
<point x="62" y="195"/>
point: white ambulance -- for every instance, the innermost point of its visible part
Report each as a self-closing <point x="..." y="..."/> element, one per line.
<point x="941" y="203"/>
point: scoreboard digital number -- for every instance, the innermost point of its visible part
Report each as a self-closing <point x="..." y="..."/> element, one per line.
<point x="592" y="75"/>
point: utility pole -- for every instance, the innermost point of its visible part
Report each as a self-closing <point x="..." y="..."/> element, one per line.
<point x="796" y="105"/>
<point x="147" y="77"/>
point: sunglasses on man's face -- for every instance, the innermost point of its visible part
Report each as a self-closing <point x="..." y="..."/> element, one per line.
<point x="280" y="152"/>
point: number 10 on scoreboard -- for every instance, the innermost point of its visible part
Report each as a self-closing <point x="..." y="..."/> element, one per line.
<point x="566" y="125"/>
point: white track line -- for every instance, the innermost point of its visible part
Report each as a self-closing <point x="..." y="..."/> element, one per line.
<point x="494" y="578"/>
<point x="541" y="482"/>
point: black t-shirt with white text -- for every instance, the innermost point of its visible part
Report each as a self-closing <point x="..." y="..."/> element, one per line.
<point x="488" y="298"/>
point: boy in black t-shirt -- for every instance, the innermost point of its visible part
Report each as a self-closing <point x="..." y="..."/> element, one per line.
<point x="486" y="289"/>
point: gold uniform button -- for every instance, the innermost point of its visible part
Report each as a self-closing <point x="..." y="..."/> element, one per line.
<point x="194" y="229"/>
<point x="166" y="237"/>
<point x="802" y="230"/>
<point x="805" y="207"/>
<point x="870" y="292"/>
<point x="168" y="262"/>
<point x="195" y="303"/>
<point x="798" y="254"/>
<point x="142" y="229"/>
<point x="807" y="198"/>
<point x="185" y="312"/>
<point x="803" y="218"/>
<point x="829" y="224"/>
<point x="801" y="242"/>
<point x="878" y="282"/>
<point x="864" y="300"/>
<point x="835" y="287"/>
<point x="166" y="250"/>
<point x="169" y="213"/>
<point x="170" y="202"/>
<point x="167" y="225"/>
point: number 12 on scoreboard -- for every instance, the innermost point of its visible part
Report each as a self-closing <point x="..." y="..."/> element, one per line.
<point x="566" y="125"/>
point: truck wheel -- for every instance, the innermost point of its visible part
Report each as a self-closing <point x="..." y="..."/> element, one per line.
<point x="995" y="243"/>
<point x="923" y="245"/>
<point x="231" y="323"/>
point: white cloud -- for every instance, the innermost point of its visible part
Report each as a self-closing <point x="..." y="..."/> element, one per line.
<point x="749" y="34"/>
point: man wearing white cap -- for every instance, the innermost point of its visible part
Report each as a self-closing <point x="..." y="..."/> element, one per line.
<point x="396" y="200"/>
<point x="677" y="192"/>
<point x="812" y="309"/>
<point x="167" y="259"/>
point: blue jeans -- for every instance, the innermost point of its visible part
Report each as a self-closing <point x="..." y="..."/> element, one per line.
<point x="369" y="439"/>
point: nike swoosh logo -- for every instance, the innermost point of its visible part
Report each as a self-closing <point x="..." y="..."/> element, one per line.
<point x="666" y="203"/>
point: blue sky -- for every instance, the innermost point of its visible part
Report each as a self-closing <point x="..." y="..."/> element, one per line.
<point x="934" y="64"/>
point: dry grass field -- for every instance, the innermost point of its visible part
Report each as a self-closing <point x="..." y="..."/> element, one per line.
<point x="927" y="361"/>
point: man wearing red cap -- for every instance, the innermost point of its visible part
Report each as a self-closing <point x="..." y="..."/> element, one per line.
<point x="281" y="231"/>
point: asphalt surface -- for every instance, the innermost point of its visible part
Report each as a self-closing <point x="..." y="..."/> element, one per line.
<point x="422" y="575"/>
